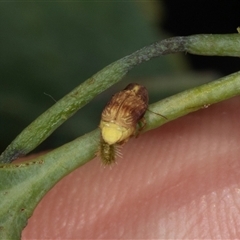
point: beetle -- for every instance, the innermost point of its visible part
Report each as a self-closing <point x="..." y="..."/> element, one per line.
<point x="123" y="113"/>
<point x="122" y="118"/>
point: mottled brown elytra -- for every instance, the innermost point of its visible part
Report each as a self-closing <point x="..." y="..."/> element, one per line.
<point x="121" y="119"/>
<point x="122" y="114"/>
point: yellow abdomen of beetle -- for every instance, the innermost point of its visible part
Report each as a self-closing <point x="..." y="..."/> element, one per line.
<point x="112" y="133"/>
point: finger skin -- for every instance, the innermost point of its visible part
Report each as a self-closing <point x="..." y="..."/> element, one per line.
<point x="179" y="181"/>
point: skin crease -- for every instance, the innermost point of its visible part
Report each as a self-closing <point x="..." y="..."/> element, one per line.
<point x="179" y="181"/>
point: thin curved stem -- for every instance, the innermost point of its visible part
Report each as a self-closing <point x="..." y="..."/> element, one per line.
<point x="49" y="121"/>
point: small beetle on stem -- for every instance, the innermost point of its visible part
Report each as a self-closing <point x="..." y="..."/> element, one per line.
<point x="122" y="118"/>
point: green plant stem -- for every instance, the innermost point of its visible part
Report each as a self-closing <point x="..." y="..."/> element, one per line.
<point x="44" y="125"/>
<point x="24" y="184"/>
<point x="192" y="100"/>
<point x="214" y="45"/>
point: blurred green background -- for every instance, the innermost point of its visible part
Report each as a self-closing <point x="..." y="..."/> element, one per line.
<point x="48" y="48"/>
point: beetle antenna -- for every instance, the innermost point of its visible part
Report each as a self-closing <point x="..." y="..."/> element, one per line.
<point x="158" y="114"/>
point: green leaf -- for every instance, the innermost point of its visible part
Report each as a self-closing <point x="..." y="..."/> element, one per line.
<point x="24" y="184"/>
